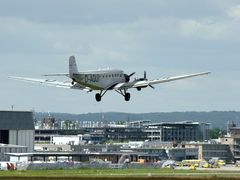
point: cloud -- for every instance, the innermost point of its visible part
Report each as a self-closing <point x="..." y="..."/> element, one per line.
<point x="205" y="29"/>
<point x="122" y="45"/>
<point x="104" y="11"/>
<point x="234" y="12"/>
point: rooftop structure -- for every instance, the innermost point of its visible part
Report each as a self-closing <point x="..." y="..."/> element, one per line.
<point x="9" y="148"/>
<point x="16" y="120"/>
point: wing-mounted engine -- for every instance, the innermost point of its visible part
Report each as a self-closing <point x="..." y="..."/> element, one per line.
<point x="144" y="78"/>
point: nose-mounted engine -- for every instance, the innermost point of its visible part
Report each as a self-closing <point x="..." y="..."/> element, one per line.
<point x="127" y="77"/>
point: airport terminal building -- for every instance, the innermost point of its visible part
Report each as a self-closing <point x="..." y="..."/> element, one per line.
<point x="177" y="131"/>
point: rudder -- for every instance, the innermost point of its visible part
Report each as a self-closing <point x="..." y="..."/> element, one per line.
<point x="72" y="66"/>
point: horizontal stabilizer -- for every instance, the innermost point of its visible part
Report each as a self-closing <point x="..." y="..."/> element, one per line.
<point x="59" y="74"/>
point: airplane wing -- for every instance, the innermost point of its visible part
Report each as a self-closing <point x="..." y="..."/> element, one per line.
<point x="55" y="83"/>
<point x="145" y="83"/>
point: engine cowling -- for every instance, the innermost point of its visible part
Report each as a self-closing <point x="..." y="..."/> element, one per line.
<point x="127" y="78"/>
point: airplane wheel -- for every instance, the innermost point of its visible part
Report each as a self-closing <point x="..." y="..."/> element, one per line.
<point x="73" y="81"/>
<point x="139" y="89"/>
<point x="98" y="97"/>
<point x="127" y="96"/>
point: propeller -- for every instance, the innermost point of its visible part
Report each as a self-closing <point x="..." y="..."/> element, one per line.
<point x="127" y="77"/>
<point x="145" y="78"/>
<point x="151" y="86"/>
<point x="145" y="75"/>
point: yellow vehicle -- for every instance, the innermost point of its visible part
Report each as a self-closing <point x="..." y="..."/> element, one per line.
<point x="217" y="163"/>
<point x="194" y="162"/>
<point x="192" y="167"/>
<point x="205" y="165"/>
<point x="221" y="162"/>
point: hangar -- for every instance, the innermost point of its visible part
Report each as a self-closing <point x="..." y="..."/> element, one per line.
<point x="17" y="128"/>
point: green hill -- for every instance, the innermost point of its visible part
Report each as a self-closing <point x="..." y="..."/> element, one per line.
<point x="218" y="119"/>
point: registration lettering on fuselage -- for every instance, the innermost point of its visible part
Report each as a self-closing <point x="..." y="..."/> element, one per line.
<point x="91" y="78"/>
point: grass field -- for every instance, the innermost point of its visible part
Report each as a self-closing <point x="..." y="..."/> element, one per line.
<point x="118" y="174"/>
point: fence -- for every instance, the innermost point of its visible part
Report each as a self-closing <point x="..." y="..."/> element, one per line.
<point x="78" y="165"/>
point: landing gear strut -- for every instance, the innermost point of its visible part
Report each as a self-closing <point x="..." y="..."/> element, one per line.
<point x="125" y="94"/>
<point x="99" y="96"/>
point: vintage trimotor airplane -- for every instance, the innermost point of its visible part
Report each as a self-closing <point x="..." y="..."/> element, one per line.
<point x="103" y="80"/>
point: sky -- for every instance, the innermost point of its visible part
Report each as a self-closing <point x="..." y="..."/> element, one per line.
<point x="165" y="38"/>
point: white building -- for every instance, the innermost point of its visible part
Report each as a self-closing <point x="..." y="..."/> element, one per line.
<point x="66" y="139"/>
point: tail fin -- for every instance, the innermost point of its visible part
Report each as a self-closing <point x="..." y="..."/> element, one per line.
<point x="72" y="66"/>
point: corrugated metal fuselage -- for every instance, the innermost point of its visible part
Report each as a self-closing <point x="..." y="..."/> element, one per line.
<point x="100" y="80"/>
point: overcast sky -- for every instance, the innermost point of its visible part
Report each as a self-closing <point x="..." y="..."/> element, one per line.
<point x="165" y="38"/>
